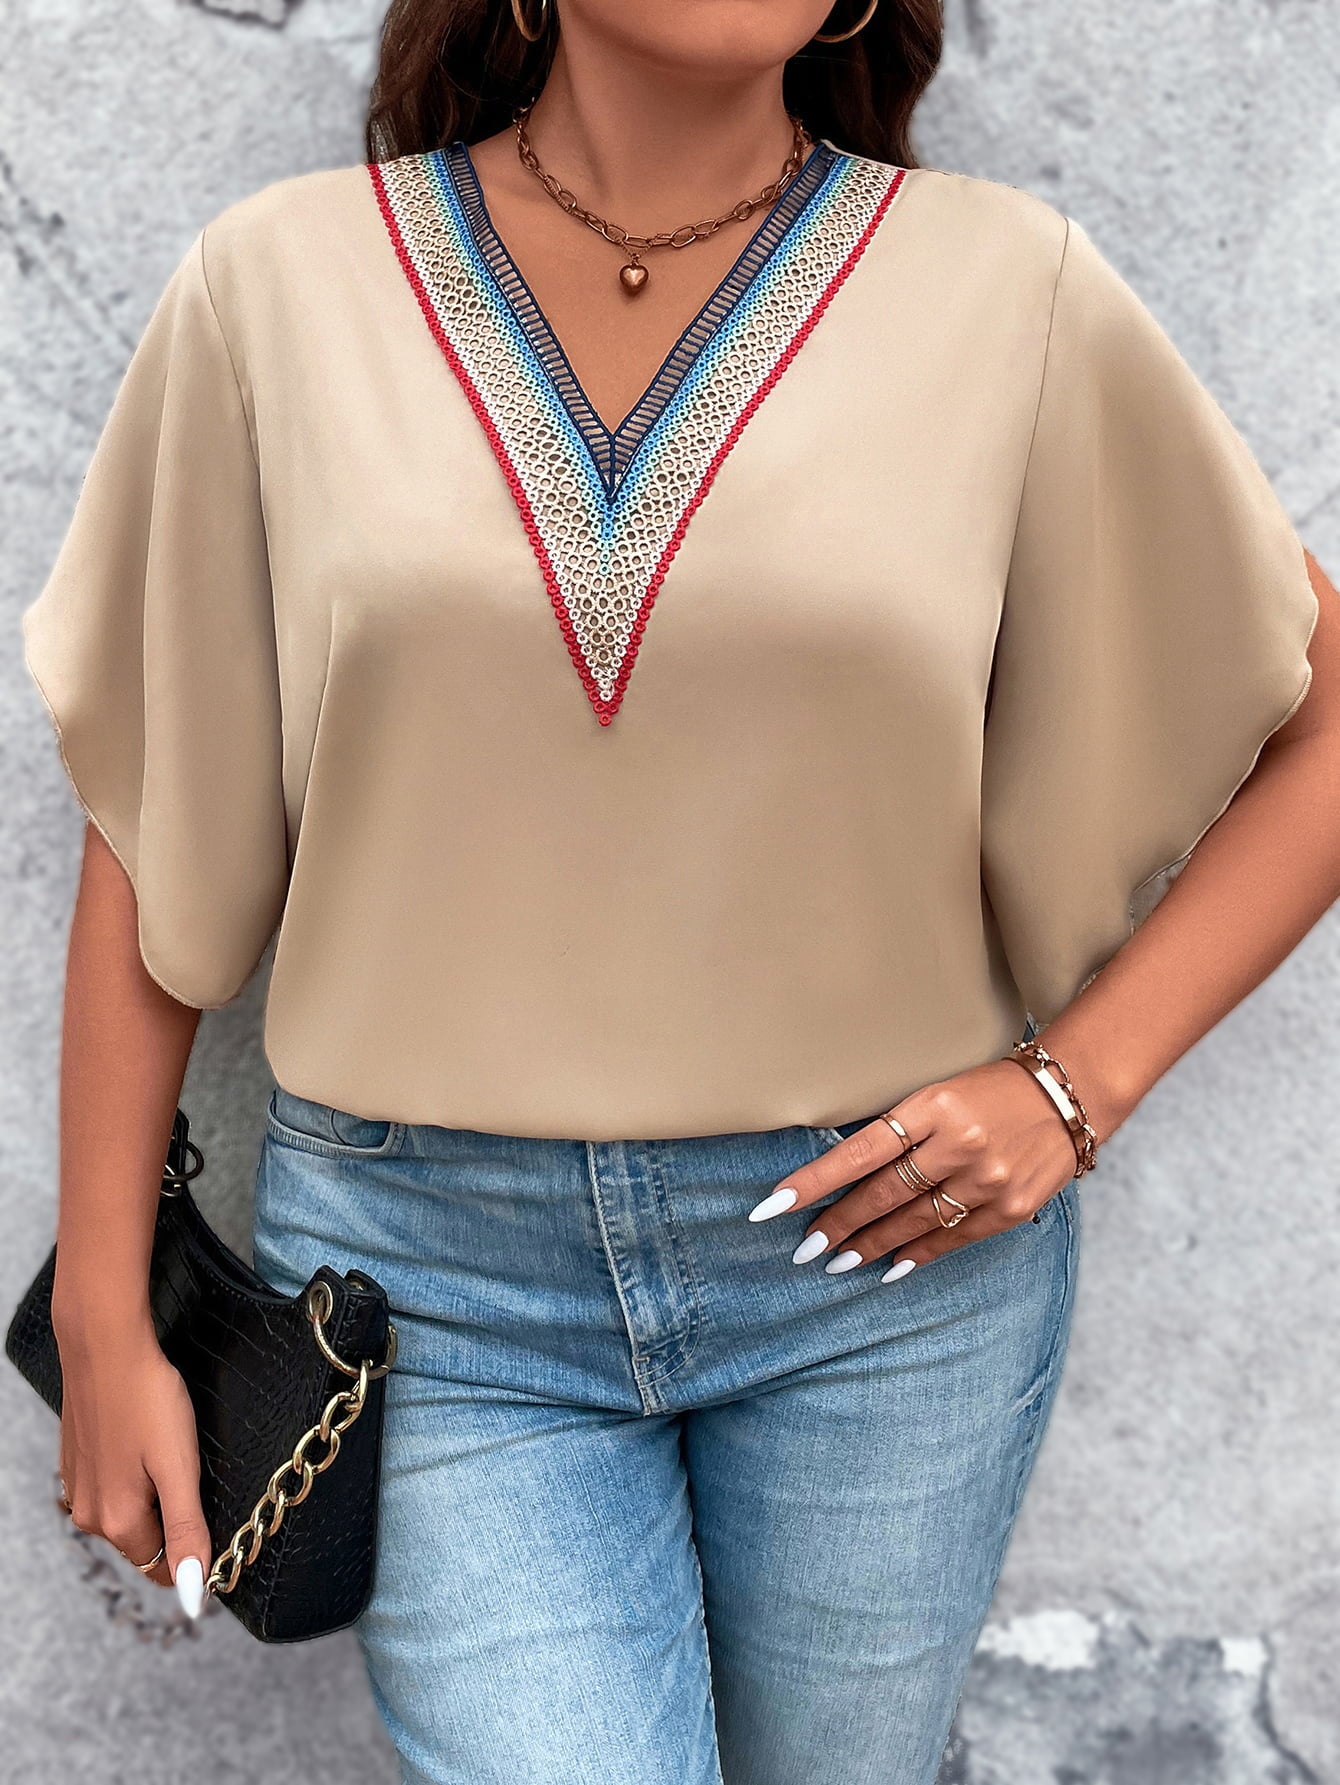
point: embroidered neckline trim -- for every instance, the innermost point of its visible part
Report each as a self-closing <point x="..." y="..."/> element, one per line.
<point x="612" y="450"/>
<point x="604" y="552"/>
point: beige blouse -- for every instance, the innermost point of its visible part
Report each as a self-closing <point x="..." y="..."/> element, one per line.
<point x="749" y="765"/>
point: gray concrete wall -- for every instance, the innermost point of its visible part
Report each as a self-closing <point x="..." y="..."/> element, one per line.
<point x="1168" y="1613"/>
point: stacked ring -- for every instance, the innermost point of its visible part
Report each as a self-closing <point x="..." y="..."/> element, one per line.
<point x="915" y="1179"/>
<point x="911" y="1173"/>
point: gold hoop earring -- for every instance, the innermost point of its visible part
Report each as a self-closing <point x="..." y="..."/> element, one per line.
<point x="535" y="35"/>
<point x="839" y="36"/>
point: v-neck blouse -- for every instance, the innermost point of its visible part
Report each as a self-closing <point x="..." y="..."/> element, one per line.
<point x="751" y="763"/>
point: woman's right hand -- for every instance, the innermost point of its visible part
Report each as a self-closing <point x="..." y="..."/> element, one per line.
<point x="129" y="1457"/>
<point x="128" y="1452"/>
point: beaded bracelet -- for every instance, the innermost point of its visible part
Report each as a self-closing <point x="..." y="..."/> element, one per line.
<point x="1035" y="1059"/>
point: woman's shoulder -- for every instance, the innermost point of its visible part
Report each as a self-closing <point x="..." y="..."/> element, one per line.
<point x="302" y="203"/>
<point x="981" y="211"/>
<point x="277" y="254"/>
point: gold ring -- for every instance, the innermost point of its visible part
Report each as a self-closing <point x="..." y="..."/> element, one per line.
<point x="898" y="1129"/>
<point x="905" y="1169"/>
<point x="917" y="1178"/>
<point x="149" y="1566"/>
<point x="953" y="1220"/>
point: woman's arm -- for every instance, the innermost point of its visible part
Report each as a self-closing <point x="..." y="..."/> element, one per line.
<point x="127" y="1426"/>
<point x="1257" y="882"/>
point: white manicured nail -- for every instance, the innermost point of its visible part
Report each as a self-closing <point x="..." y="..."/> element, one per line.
<point x="189" y="1581"/>
<point x="845" y="1261"/>
<point x="903" y="1266"/>
<point x="776" y="1204"/>
<point x="810" y="1247"/>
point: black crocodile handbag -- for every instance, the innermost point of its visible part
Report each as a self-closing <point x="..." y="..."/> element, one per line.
<point x="289" y="1427"/>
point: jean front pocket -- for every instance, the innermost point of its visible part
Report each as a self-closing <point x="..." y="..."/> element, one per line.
<point x="336" y="1133"/>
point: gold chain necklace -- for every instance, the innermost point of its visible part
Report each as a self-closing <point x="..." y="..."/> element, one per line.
<point x="633" y="275"/>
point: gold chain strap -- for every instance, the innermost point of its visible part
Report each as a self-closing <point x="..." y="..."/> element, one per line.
<point x="340" y="1412"/>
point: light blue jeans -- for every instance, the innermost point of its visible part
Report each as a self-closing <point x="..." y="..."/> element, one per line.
<point x="658" y="1506"/>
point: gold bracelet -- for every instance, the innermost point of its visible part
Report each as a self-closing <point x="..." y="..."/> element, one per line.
<point x="1035" y="1059"/>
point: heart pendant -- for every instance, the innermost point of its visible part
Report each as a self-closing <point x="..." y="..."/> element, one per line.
<point x="633" y="277"/>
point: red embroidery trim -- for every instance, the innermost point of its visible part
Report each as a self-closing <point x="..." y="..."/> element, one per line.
<point x="737" y="428"/>
<point x="495" y="440"/>
<point x="606" y="709"/>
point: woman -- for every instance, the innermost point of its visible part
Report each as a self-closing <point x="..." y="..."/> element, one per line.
<point x="686" y="709"/>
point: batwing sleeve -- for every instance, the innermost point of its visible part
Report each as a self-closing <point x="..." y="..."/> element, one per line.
<point x="1154" y="633"/>
<point x="152" y="644"/>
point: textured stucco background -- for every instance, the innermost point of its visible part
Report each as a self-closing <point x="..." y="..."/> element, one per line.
<point x="1168" y="1612"/>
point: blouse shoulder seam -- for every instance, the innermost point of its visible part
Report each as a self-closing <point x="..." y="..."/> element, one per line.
<point x="227" y="345"/>
<point x="1042" y="377"/>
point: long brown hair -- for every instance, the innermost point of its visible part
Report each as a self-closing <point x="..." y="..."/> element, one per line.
<point x="459" y="68"/>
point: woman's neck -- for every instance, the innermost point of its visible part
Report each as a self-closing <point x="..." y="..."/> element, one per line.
<point x="651" y="147"/>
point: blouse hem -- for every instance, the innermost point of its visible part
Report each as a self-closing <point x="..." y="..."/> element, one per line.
<point x="1144" y="899"/>
<point x="92" y="817"/>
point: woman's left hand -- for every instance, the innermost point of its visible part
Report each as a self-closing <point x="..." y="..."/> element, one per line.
<point x="987" y="1137"/>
